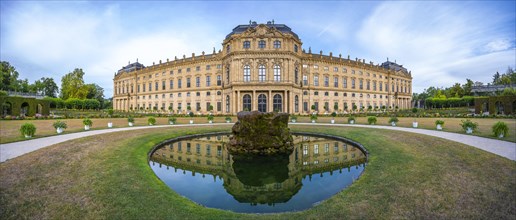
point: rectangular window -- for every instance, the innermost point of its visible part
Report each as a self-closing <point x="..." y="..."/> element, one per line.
<point x="156" y="85"/>
<point x="316" y="80"/>
<point x="316" y="106"/>
<point x="316" y="149"/>
<point x="198" y="106"/>
<point x="197" y="81"/>
<point x="163" y="84"/>
<point x="344" y="82"/>
<point x="374" y="85"/>
<point x="305" y="106"/>
<point x="150" y="87"/>
<point x="208" y="67"/>
<point x="171" y="84"/>
<point x="353" y="83"/>
<point x="335" y="69"/>
<point x="179" y="83"/>
<point x="179" y="71"/>
<point x="188" y="84"/>
<point x="208" y="80"/>
<point x="219" y="80"/>
<point x="198" y="94"/>
<point x="188" y="147"/>
<point x="208" y="104"/>
<point x="326" y="81"/>
<point x="208" y="150"/>
<point x="361" y="84"/>
<point x="336" y="82"/>
<point x="208" y="93"/>
<point x="219" y="106"/>
<point x="336" y="147"/>
<point x="138" y="87"/>
<point x="197" y="68"/>
<point x="305" y="149"/>
<point x="326" y="148"/>
<point x="368" y="85"/>
<point x="305" y="80"/>
<point x="188" y="69"/>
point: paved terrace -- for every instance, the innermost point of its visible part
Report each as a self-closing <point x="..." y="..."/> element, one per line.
<point x="503" y="148"/>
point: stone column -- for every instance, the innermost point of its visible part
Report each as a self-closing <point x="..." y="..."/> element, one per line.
<point x="269" y="104"/>
<point x="254" y="101"/>
<point x="238" y="102"/>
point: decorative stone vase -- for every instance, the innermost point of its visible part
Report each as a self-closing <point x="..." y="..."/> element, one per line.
<point x="313" y="121"/>
<point x="500" y="136"/>
<point x="131" y="124"/>
<point x="210" y="121"/>
<point x="59" y="130"/>
<point x="170" y="122"/>
<point x="293" y="120"/>
<point x="393" y="124"/>
<point x="414" y="124"/>
<point x="228" y="121"/>
<point x="151" y="124"/>
<point x="469" y="130"/>
<point x="352" y="122"/>
<point x="333" y="121"/>
<point x="110" y="124"/>
<point x="439" y="127"/>
<point x="191" y="121"/>
<point x="28" y="136"/>
<point x="86" y="127"/>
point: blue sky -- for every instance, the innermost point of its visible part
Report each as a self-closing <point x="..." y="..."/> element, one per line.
<point x="440" y="42"/>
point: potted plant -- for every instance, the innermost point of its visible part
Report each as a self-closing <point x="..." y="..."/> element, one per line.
<point x="371" y="120"/>
<point x="468" y="126"/>
<point x="130" y="121"/>
<point x="28" y="130"/>
<point x="60" y="126"/>
<point x="351" y="119"/>
<point x="228" y="119"/>
<point x="414" y="123"/>
<point x="210" y="119"/>
<point x="110" y="114"/>
<point x="87" y="123"/>
<point x="393" y="120"/>
<point x="333" y="114"/>
<point x="500" y="129"/>
<point x="439" y="124"/>
<point x="293" y="118"/>
<point x="151" y="120"/>
<point x="313" y="117"/>
<point x="172" y="120"/>
<point x="191" y="114"/>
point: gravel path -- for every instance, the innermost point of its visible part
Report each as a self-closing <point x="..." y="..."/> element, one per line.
<point x="503" y="148"/>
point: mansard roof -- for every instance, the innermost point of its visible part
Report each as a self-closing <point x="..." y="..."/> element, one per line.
<point x="132" y="67"/>
<point x="393" y="66"/>
<point x="280" y="27"/>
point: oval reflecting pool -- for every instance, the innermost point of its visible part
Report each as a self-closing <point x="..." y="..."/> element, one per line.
<point x="201" y="169"/>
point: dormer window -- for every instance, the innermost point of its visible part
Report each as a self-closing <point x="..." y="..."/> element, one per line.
<point x="228" y="49"/>
<point x="295" y="48"/>
<point x="277" y="44"/>
<point x="247" y="44"/>
<point x="261" y="44"/>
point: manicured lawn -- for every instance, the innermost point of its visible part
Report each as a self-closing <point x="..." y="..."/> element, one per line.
<point x="9" y="131"/>
<point x="408" y="176"/>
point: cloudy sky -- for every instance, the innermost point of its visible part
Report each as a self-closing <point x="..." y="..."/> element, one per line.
<point x="440" y="42"/>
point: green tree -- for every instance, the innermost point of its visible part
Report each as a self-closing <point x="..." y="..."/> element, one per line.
<point x="45" y="86"/>
<point x="72" y="85"/>
<point x="8" y="76"/>
<point x="95" y="92"/>
<point x="467" y="87"/>
<point x="496" y="78"/>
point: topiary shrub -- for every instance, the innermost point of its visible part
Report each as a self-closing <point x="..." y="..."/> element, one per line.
<point x="151" y="121"/>
<point x="500" y="129"/>
<point x="371" y="120"/>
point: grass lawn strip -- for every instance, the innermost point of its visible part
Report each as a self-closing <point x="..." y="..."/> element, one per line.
<point x="408" y="176"/>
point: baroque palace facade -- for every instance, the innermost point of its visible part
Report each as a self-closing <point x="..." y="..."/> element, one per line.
<point x="262" y="67"/>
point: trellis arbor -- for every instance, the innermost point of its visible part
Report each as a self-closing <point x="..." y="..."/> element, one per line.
<point x="21" y="106"/>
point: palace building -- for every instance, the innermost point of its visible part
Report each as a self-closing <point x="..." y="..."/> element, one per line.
<point x="262" y="67"/>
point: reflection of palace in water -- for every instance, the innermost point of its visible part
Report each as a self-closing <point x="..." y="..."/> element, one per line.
<point x="311" y="156"/>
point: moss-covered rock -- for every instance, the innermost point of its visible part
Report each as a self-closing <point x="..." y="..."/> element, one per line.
<point x="261" y="133"/>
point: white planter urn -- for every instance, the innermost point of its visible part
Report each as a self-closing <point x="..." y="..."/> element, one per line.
<point x="170" y="122"/>
<point x="210" y="122"/>
<point x="414" y="124"/>
<point x="28" y="136"/>
<point x="110" y="124"/>
<point x="333" y="121"/>
<point x="151" y="124"/>
<point x="228" y="121"/>
<point x="191" y="121"/>
<point x="499" y="136"/>
<point x="469" y="130"/>
<point x="86" y="127"/>
<point x="439" y="127"/>
<point x="393" y="124"/>
<point x="131" y="124"/>
<point x="352" y="122"/>
<point x="59" y="130"/>
<point x="313" y="121"/>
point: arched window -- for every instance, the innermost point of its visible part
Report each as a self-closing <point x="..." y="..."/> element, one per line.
<point x="277" y="103"/>
<point x="227" y="104"/>
<point x="247" y="73"/>
<point x="247" y="44"/>
<point x="262" y="103"/>
<point x="261" y="73"/>
<point x="296" y="103"/>
<point x="277" y="73"/>
<point x="247" y="103"/>
<point x="261" y="44"/>
<point x="228" y="49"/>
<point x="219" y="93"/>
<point x="277" y="44"/>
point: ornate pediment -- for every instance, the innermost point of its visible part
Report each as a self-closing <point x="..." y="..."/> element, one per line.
<point x="261" y="31"/>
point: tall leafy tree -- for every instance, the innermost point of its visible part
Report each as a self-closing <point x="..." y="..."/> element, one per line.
<point x="45" y="86"/>
<point x="95" y="92"/>
<point x="467" y="87"/>
<point x="72" y="85"/>
<point x="8" y="77"/>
